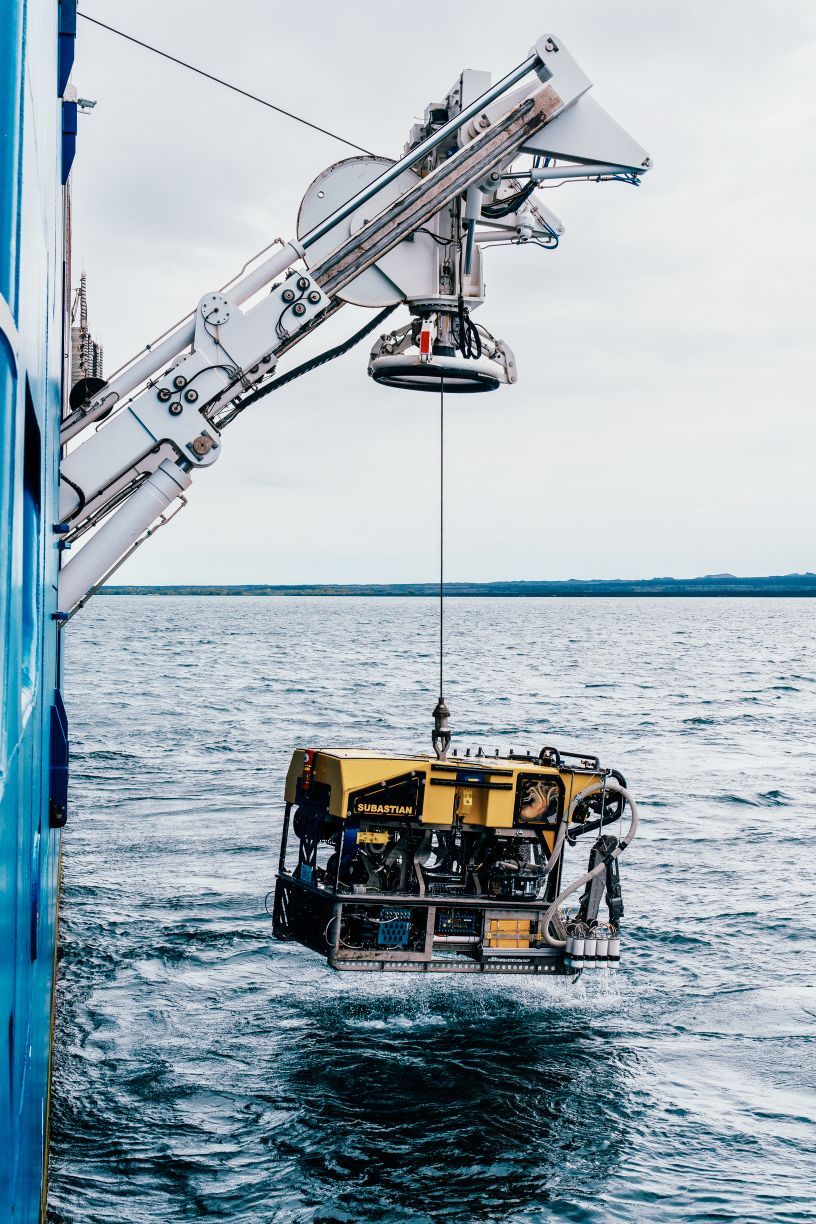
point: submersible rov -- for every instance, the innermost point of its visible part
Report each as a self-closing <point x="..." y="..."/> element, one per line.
<point x="424" y="864"/>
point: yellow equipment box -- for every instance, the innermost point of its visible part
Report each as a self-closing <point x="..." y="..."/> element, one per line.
<point x="486" y="792"/>
<point x="508" y="933"/>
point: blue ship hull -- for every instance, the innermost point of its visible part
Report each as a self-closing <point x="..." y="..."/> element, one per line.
<point x="37" y="132"/>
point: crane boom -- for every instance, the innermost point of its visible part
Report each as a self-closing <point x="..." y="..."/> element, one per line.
<point x="371" y="232"/>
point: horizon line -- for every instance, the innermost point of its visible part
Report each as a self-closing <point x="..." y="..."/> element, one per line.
<point x="706" y="584"/>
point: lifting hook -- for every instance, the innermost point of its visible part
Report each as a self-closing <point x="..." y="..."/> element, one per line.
<point x="441" y="736"/>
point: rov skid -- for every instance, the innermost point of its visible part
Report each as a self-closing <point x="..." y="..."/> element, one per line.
<point x="412" y="863"/>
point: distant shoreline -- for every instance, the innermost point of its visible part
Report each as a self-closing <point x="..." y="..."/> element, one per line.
<point x="711" y="586"/>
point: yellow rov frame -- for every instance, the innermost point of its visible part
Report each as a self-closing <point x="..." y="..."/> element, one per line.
<point x="415" y="864"/>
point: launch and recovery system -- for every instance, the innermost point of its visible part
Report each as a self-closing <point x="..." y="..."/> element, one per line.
<point x="427" y="862"/>
<point x="420" y="864"/>
<point x="372" y="232"/>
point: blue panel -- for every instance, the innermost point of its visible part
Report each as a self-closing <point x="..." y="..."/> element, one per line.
<point x="33" y="735"/>
<point x="67" y="40"/>
<point x="11" y="62"/>
<point x="69" y="135"/>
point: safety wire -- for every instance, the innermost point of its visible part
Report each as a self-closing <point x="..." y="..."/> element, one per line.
<point x="174" y="59"/>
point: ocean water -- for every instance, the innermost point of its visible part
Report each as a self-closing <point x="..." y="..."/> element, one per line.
<point x="203" y="1070"/>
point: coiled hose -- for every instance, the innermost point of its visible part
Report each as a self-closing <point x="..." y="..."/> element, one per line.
<point x="609" y="786"/>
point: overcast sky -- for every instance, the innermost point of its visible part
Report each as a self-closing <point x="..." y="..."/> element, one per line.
<point x="662" y="421"/>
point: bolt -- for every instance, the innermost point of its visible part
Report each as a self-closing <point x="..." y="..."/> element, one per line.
<point x="191" y="396"/>
<point x="314" y="297"/>
<point x="179" y="381"/>
<point x="164" y="394"/>
<point x="298" y="309"/>
<point x="202" y="445"/>
<point x="303" y="282"/>
<point x="288" y="295"/>
<point x="175" y="408"/>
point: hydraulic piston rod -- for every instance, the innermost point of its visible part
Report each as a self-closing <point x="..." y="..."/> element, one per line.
<point x="538" y="175"/>
<point x="100" y="555"/>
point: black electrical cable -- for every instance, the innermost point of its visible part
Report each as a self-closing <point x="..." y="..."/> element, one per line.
<point x="469" y="342"/>
<point x="439" y="241"/>
<point x="229" y="369"/>
<point x="227" y="84"/>
<point x="212" y="331"/>
<point x="321" y="359"/>
<point x="503" y="208"/>
<point x="466" y="336"/>
<point x="79" y="493"/>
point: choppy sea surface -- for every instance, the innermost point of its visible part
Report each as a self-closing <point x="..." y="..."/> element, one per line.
<point x="205" y="1071"/>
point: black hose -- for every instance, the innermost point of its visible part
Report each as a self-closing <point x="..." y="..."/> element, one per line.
<point x="588" y="826"/>
<point x="321" y="359"/>
<point x="469" y="342"/>
<point x="79" y="493"/>
<point x="504" y="207"/>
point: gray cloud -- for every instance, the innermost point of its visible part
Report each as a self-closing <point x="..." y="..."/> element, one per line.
<point x="662" y="419"/>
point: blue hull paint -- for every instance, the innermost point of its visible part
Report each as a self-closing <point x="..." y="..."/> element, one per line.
<point x="33" y="158"/>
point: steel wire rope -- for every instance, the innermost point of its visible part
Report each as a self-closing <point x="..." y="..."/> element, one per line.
<point x="227" y="84"/>
<point x="441" y="737"/>
<point x="441" y="534"/>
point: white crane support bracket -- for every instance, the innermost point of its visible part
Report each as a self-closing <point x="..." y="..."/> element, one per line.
<point x="556" y="63"/>
<point x="227" y="357"/>
<point x="587" y="134"/>
<point x="412" y="230"/>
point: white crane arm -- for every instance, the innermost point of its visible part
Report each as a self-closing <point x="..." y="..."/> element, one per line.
<point x="406" y="233"/>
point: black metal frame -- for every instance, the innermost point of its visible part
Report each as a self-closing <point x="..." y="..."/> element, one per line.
<point x="314" y="915"/>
